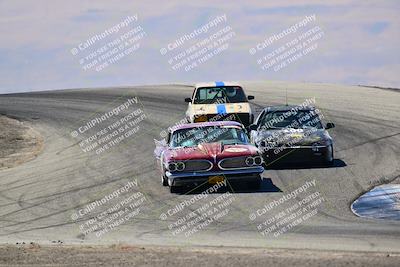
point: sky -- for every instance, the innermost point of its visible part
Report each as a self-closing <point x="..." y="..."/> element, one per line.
<point x="42" y="44"/>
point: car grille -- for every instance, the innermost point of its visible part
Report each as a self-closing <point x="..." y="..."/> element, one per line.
<point x="233" y="163"/>
<point x="243" y="118"/>
<point x="197" y="165"/>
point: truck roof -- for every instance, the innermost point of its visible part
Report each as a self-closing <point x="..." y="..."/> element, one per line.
<point x="287" y="108"/>
<point x="216" y="84"/>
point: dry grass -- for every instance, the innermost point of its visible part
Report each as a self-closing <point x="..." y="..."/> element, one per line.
<point x="19" y="143"/>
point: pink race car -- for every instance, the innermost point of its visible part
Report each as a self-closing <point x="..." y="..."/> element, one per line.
<point x="208" y="152"/>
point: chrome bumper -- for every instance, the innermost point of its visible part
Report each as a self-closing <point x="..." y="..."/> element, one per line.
<point x="182" y="178"/>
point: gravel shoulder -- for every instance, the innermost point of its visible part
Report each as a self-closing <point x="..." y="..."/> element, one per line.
<point x="124" y="255"/>
<point x="19" y="142"/>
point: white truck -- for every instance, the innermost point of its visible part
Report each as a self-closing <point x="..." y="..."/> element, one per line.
<point x="218" y="101"/>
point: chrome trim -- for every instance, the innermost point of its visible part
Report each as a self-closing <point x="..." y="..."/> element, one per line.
<point x="184" y="162"/>
<point x="288" y="147"/>
<point x="250" y="170"/>
<point x="240" y="168"/>
<point x="201" y="180"/>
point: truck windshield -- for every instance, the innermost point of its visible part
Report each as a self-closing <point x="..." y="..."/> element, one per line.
<point x="227" y="94"/>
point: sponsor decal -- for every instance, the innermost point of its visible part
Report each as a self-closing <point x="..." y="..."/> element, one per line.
<point x="236" y="149"/>
<point x="297" y="135"/>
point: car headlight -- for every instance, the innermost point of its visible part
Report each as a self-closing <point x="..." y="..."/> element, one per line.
<point x="249" y="161"/>
<point x="266" y="145"/>
<point x="171" y="166"/>
<point x="200" y="118"/>
<point x="253" y="161"/>
<point x="321" y="142"/>
<point x="180" y="166"/>
<point x="258" y="160"/>
<point x="176" y="166"/>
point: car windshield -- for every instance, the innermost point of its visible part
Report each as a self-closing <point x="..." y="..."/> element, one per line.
<point x="195" y="136"/>
<point x="289" y="119"/>
<point x="227" y="94"/>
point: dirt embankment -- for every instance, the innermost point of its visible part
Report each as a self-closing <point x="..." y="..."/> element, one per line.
<point x="19" y="143"/>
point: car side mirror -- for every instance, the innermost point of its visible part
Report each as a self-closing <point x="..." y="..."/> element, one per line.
<point x="188" y="100"/>
<point x="161" y="143"/>
<point x="250" y="97"/>
<point x="160" y="146"/>
<point x="330" y="125"/>
<point x="253" y="127"/>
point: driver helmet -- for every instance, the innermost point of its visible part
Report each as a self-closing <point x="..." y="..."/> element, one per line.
<point x="230" y="92"/>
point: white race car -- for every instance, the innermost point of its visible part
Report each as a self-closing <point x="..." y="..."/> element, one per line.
<point x="219" y="101"/>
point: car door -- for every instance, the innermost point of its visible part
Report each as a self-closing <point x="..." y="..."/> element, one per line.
<point x="189" y="112"/>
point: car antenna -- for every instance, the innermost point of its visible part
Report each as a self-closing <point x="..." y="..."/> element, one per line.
<point x="286" y="99"/>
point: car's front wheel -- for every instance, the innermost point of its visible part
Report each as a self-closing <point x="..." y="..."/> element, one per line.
<point x="329" y="158"/>
<point x="164" y="180"/>
<point x="175" y="189"/>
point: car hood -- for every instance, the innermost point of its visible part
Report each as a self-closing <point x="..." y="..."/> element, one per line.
<point x="308" y="136"/>
<point x="210" y="151"/>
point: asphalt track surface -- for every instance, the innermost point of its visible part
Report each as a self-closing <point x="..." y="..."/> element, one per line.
<point x="38" y="198"/>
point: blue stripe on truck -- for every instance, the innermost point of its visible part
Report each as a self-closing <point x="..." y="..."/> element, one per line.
<point x="221" y="109"/>
<point x="218" y="84"/>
